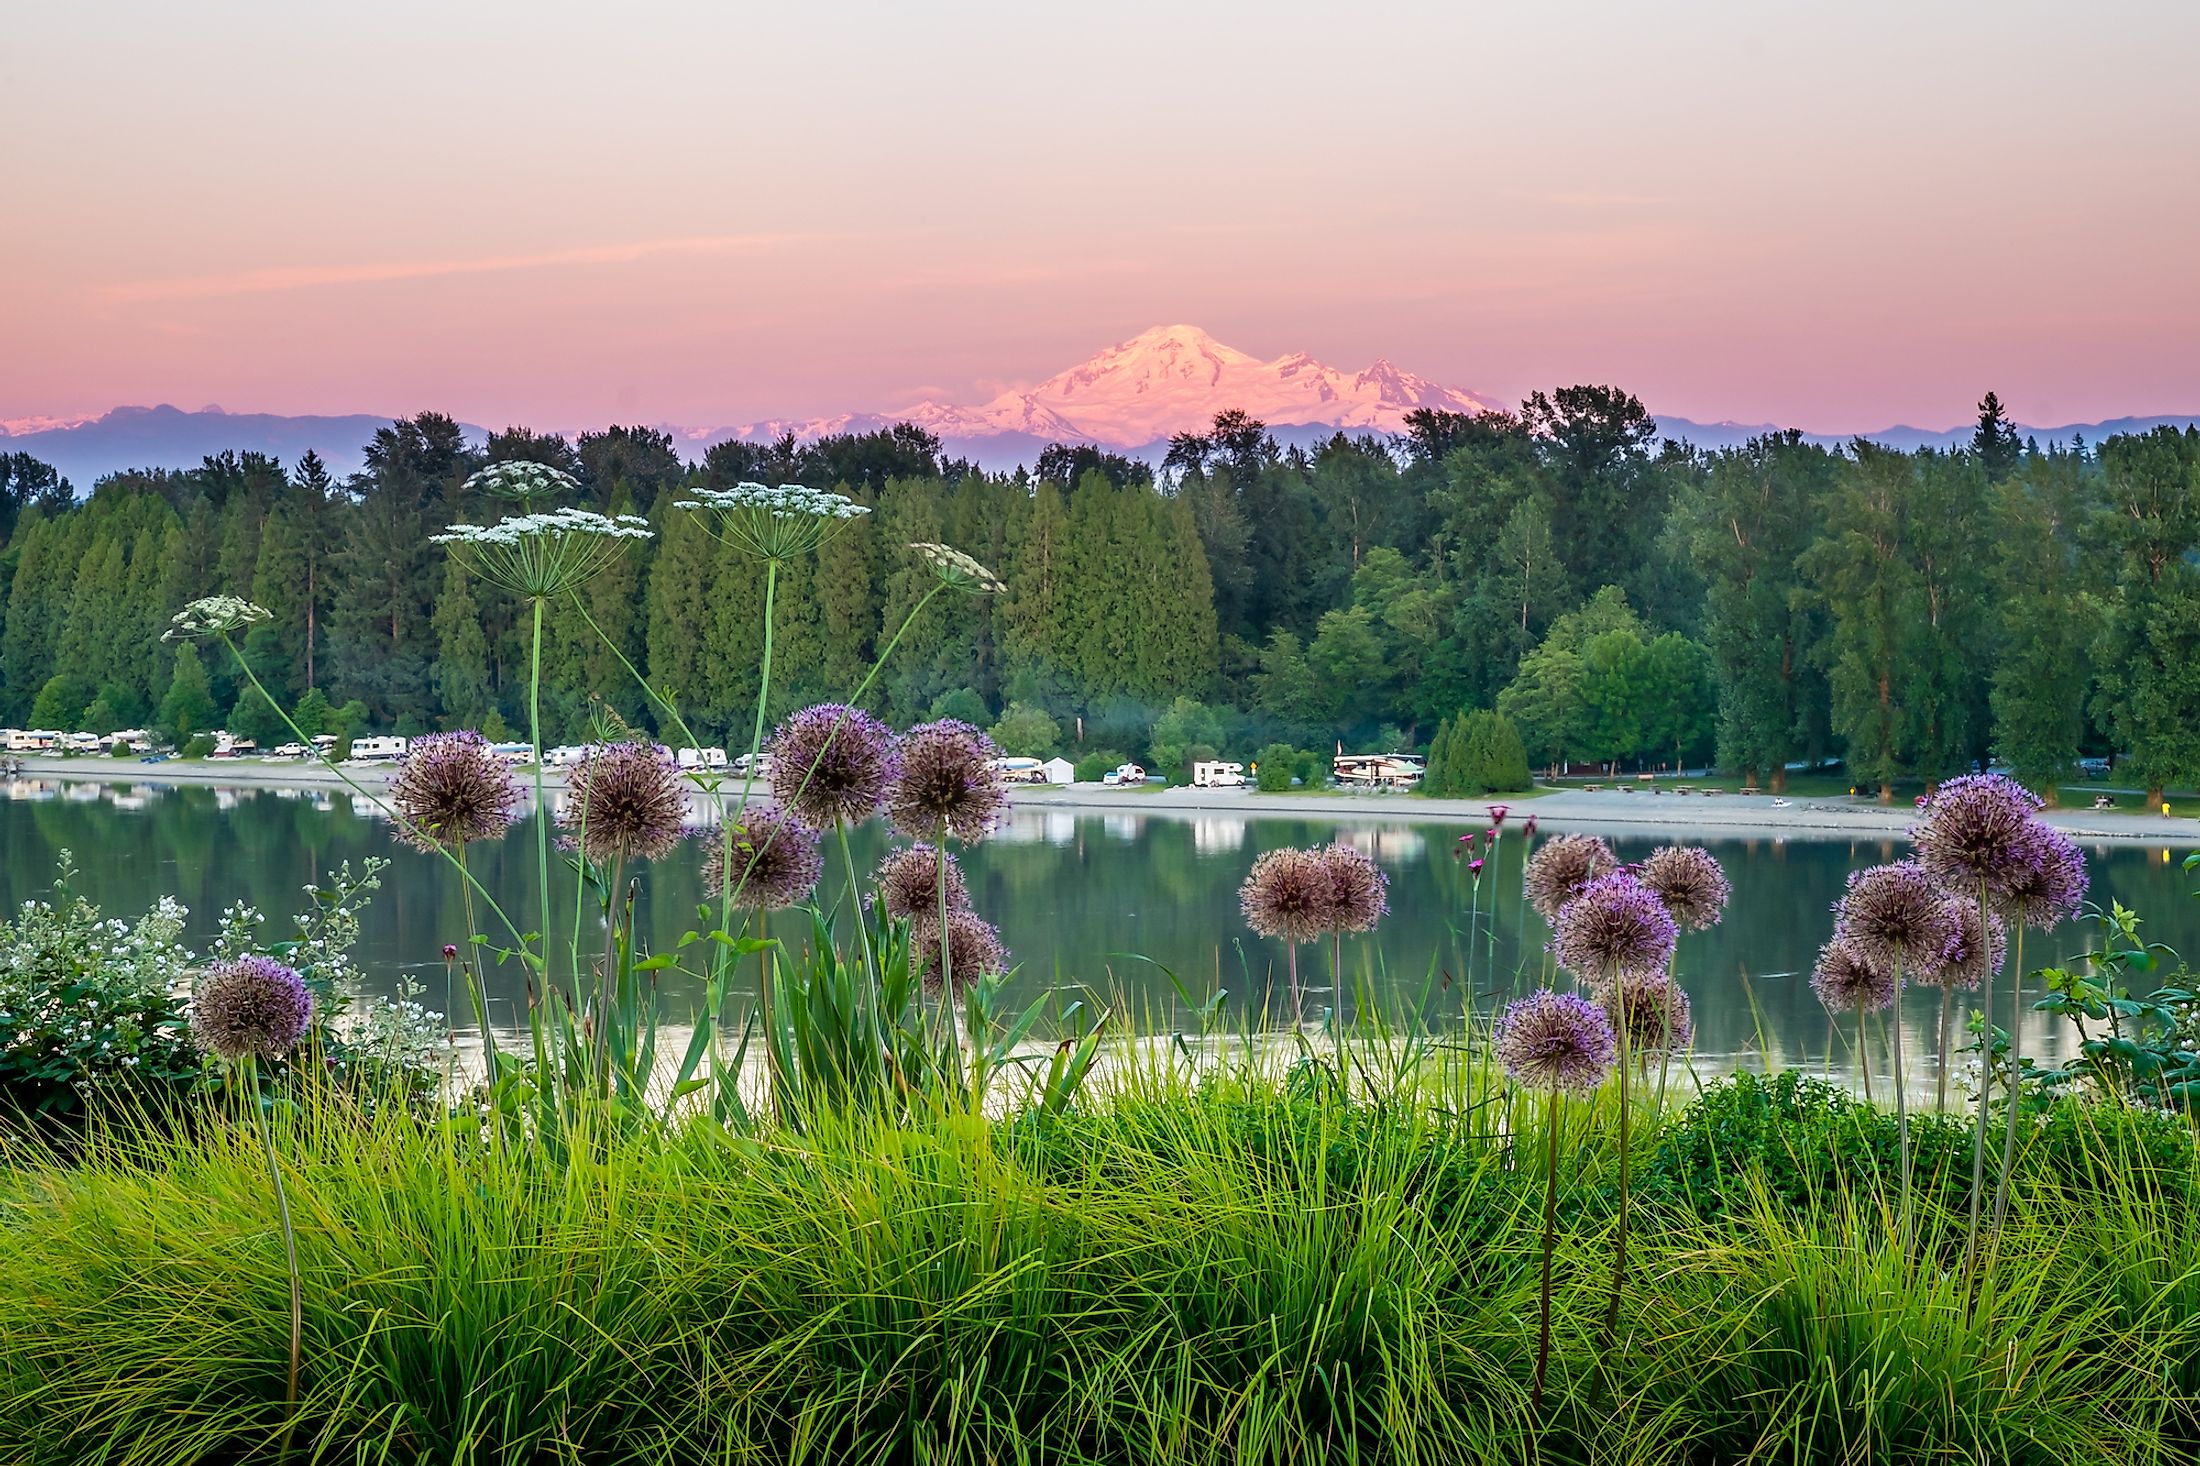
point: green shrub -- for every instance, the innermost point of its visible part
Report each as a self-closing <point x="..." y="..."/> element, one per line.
<point x="1025" y="731"/>
<point x="198" y="745"/>
<point x="1094" y="766"/>
<point x="1275" y="767"/>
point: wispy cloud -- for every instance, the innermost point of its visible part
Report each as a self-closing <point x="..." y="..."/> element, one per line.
<point x="309" y="277"/>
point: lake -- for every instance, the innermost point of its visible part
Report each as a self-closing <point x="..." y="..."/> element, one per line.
<point x="1088" y="904"/>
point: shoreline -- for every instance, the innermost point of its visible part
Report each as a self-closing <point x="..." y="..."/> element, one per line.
<point x="1648" y="815"/>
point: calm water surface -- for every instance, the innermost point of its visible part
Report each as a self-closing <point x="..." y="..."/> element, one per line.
<point x="1080" y="899"/>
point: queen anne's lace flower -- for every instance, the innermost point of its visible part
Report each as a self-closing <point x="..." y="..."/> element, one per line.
<point x="214" y="616"/>
<point x="524" y="482"/>
<point x="958" y="571"/>
<point x="772" y="524"/>
<point x="543" y="555"/>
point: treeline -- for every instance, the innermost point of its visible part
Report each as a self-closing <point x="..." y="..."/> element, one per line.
<point x="1620" y="600"/>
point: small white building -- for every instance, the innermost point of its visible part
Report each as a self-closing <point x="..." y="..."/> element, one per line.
<point x="1059" y="771"/>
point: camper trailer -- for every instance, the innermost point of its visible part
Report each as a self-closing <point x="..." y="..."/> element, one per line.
<point x="1214" y="774"/>
<point x="366" y="750"/>
<point x="702" y="758"/>
<point x="1020" y="770"/>
<point x="1378" y="770"/>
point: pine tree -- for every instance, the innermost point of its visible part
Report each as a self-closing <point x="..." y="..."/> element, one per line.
<point x="188" y="707"/>
<point x="462" y="688"/>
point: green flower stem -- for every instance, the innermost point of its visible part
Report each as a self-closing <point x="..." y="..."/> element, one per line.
<point x="373" y="798"/>
<point x="290" y="1248"/>
<point x="1619" y="1247"/>
<point x="2009" y="1142"/>
<point x="863" y="927"/>
<point x="1550" y="1240"/>
<point x="542" y="805"/>
<point x="1985" y="1091"/>
<point x="1901" y="1110"/>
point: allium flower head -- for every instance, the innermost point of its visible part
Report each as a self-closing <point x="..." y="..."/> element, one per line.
<point x="1561" y="867"/>
<point x="974" y="949"/>
<point x="214" y="616"/>
<point x="958" y="571"/>
<point x="254" y="1006"/>
<point x="1980" y="827"/>
<point x="1288" y="894"/>
<point x="1653" y="1013"/>
<point x="1615" y="929"/>
<point x="772" y="524"/>
<point x="947" y="781"/>
<point x="775" y="861"/>
<point x="1895" y="916"/>
<point x="1846" y="982"/>
<point x="909" y="882"/>
<point x="1962" y="966"/>
<point x="2049" y="889"/>
<point x="1357" y="888"/>
<point x="832" y="763"/>
<point x="451" y="790"/>
<point x="524" y="482"/>
<point x="625" y="802"/>
<point x="1691" y="883"/>
<point x="1556" y="1041"/>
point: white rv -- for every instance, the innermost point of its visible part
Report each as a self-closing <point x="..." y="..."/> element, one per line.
<point x="1019" y="770"/>
<point x="366" y="750"/>
<point x="1378" y="770"/>
<point x="1215" y="774"/>
<point x="702" y="758"/>
<point x="1124" y="776"/>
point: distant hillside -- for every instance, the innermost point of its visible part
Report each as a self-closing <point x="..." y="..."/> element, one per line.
<point x="1130" y="397"/>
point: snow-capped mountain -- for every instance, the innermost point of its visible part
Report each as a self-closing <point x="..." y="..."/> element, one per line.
<point x="1169" y="380"/>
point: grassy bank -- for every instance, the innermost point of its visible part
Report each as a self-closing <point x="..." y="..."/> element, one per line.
<point x="1238" y="1270"/>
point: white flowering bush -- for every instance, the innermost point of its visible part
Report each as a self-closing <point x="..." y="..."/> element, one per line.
<point x="92" y="1006"/>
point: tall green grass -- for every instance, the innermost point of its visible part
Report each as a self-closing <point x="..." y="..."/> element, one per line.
<point x="1241" y="1267"/>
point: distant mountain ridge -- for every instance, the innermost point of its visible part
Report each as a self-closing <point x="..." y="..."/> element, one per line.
<point x="1131" y="397"/>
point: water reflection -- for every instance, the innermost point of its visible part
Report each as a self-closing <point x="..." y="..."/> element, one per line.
<point x="1088" y="903"/>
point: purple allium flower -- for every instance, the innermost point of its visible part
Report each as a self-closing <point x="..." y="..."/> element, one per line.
<point x="947" y="781"/>
<point x="1288" y="894"/>
<point x="775" y="860"/>
<point x="1654" y="1013"/>
<point x="625" y="802"/>
<point x="451" y="790"/>
<point x="1961" y="967"/>
<point x="1846" y="982"/>
<point x="1357" y="888"/>
<point x="252" y="1007"/>
<point x="974" y="949"/>
<point x="1895" y="916"/>
<point x="909" y="882"/>
<point x="1691" y="883"/>
<point x="1562" y="867"/>
<point x="1616" y="928"/>
<point x="1556" y="1041"/>
<point x="2049" y="889"/>
<point x="832" y="764"/>
<point x="1980" y="827"/>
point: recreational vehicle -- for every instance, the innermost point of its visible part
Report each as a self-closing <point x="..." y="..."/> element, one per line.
<point x="1020" y="770"/>
<point x="1378" y="770"/>
<point x="366" y="750"/>
<point x="1213" y="774"/>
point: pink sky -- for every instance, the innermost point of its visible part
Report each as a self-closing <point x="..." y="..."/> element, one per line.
<point x="563" y="214"/>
